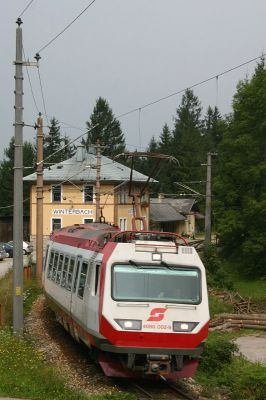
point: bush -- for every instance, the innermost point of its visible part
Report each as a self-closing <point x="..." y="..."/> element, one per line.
<point x="216" y="274"/>
<point x="217" y="353"/>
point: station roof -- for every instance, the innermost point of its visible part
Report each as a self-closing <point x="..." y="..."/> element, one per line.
<point x="163" y="212"/>
<point x="82" y="167"/>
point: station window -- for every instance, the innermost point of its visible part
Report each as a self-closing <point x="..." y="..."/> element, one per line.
<point x="56" y="224"/>
<point x="123" y="224"/>
<point x="88" y="194"/>
<point x="87" y="220"/>
<point x="56" y="194"/>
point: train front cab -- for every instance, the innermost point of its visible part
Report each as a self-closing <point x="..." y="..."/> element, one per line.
<point x="154" y="310"/>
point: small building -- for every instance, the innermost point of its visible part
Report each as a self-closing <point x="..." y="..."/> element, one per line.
<point x="174" y="215"/>
<point x="69" y="189"/>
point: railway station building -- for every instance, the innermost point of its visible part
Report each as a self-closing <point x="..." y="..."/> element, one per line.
<point x="69" y="190"/>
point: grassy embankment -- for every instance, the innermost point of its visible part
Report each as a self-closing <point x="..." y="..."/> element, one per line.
<point x="24" y="373"/>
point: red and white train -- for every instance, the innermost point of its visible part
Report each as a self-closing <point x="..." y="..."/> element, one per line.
<point x="138" y="300"/>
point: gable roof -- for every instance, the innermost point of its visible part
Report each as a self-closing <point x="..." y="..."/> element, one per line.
<point x="83" y="168"/>
<point x="162" y="212"/>
<point x="183" y="206"/>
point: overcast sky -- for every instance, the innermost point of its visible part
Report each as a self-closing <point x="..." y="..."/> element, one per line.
<point x="130" y="52"/>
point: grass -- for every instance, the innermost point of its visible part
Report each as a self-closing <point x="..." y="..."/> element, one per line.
<point x="237" y="377"/>
<point x="23" y="370"/>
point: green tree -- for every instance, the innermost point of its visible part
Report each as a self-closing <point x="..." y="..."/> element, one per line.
<point x="103" y="126"/>
<point x="214" y="127"/>
<point x="188" y="137"/>
<point x="241" y="186"/>
<point x="53" y="142"/>
<point x="7" y="177"/>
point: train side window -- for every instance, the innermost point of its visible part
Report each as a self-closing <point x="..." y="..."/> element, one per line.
<point x="96" y="279"/>
<point x="64" y="271"/>
<point x="46" y="257"/>
<point x="50" y="265"/>
<point x="59" y="268"/>
<point x="76" y="275"/>
<point x="54" y="268"/>
<point x="82" y="279"/>
<point x="70" y="273"/>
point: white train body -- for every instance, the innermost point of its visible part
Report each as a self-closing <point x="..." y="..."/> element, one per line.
<point x="138" y="300"/>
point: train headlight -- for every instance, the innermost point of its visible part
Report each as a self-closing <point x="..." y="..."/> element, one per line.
<point x="184" y="326"/>
<point x="129" y="324"/>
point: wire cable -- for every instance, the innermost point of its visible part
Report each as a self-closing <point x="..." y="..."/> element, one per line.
<point x="44" y="106"/>
<point x="31" y="89"/>
<point x="190" y="87"/>
<point x="25" y="9"/>
<point x="68" y="26"/>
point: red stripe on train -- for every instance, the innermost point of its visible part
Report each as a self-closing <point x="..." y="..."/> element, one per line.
<point x="152" y="339"/>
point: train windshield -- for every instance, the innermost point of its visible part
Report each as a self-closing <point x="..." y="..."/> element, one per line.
<point x="164" y="284"/>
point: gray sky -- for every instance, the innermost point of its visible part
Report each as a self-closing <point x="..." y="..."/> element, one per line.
<point x="130" y="52"/>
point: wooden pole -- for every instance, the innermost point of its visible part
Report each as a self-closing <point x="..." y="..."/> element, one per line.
<point x="39" y="194"/>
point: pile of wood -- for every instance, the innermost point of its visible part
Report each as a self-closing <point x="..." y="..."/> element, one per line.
<point x="247" y="321"/>
<point x="241" y="305"/>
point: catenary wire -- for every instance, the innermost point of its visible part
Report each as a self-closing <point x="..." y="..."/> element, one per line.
<point x="25" y="9"/>
<point x="71" y="23"/>
<point x="44" y="106"/>
<point x="190" y="87"/>
<point x="31" y="88"/>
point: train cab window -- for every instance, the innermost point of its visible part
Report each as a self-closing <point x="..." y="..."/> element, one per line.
<point x="164" y="284"/>
<point x="82" y="279"/>
<point x="64" y="271"/>
<point x="70" y="273"/>
<point x="50" y="265"/>
<point x="54" y="268"/>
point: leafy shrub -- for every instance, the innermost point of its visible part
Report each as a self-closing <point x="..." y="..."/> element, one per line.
<point x="217" y="353"/>
<point x="216" y="274"/>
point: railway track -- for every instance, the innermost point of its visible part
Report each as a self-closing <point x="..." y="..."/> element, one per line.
<point x="76" y="367"/>
<point x="156" y="390"/>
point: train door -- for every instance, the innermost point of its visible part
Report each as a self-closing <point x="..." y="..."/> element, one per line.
<point x="78" y="303"/>
<point x="93" y="300"/>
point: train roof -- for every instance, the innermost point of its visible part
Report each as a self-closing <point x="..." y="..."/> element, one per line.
<point x="95" y="235"/>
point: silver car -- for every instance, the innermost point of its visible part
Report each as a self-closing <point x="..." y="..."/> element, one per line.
<point x="3" y="254"/>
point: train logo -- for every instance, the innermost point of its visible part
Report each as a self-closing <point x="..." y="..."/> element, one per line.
<point x="157" y="314"/>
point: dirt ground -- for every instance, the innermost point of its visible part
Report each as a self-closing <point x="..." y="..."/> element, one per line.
<point x="253" y="347"/>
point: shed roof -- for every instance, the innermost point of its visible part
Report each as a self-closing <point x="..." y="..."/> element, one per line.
<point x="162" y="212"/>
<point x="183" y="206"/>
<point x="83" y="168"/>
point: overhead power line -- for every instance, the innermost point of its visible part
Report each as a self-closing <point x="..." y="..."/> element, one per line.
<point x="68" y="26"/>
<point x="189" y="87"/>
<point x="25" y="9"/>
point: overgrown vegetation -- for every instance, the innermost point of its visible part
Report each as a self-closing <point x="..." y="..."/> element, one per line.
<point x="220" y="370"/>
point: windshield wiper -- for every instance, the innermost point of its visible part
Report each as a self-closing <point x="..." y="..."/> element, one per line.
<point x="166" y="265"/>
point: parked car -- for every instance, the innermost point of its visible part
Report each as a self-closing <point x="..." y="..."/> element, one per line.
<point x="3" y="253"/>
<point x="8" y="249"/>
<point x="27" y="247"/>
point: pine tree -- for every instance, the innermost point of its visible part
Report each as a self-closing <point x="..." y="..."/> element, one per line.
<point x="7" y="177"/>
<point x="188" y="137"/>
<point x="53" y="142"/>
<point x="241" y="186"/>
<point x="103" y="126"/>
<point x="214" y="127"/>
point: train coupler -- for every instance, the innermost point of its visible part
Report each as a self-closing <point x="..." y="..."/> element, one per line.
<point x="158" y="363"/>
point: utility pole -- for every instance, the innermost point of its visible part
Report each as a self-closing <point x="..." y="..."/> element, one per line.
<point x="39" y="195"/>
<point x="18" y="187"/>
<point x="208" y="199"/>
<point x="18" y="191"/>
<point x="98" y="177"/>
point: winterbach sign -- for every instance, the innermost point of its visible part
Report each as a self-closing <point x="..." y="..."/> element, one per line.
<point x="72" y="211"/>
